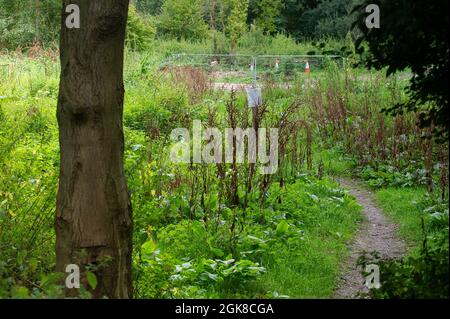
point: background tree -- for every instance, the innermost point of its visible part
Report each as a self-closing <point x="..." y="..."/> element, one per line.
<point x="291" y="12"/>
<point x="93" y="213"/>
<point x="236" y="22"/>
<point x="328" y="19"/>
<point x="213" y="18"/>
<point x="264" y="14"/>
<point x="38" y="22"/>
<point x="413" y="34"/>
<point x="152" y="7"/>
<point x="183" y="19"/>
<point x="315" y="19"/>
<point x="141" y="30"/>
<point x="23" y="23"/>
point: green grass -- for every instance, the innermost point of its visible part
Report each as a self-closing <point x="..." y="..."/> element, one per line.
<point x="334" y="161"/>
<point x="313" y="275"/>
<point x="304" y="261"/>
<point x="401" y="204"/>
<point x="310" y="269"/>
<point x="298" y="267"/>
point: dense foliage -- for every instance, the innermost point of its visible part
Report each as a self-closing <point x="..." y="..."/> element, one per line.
<point x="224" y="230"/>
<point x="199" y="233"/>
<point x="424" y="274"/>
<point x="22" y="24"/>
<point x="414" y="35"/>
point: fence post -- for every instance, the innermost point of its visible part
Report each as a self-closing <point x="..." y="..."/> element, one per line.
<point x="254" y="72"/>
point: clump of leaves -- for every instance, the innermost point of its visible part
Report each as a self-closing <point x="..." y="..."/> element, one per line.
<point x="421" y="276"/>
<point x="140" y="31"/>
<point x="388" y="175"/>
<point x="221" y="275"/>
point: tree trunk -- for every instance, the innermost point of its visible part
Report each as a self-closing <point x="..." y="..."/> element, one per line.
<point x="93" y="212"/>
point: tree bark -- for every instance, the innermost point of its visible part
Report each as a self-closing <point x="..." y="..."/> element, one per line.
<point x="93" y="211"/>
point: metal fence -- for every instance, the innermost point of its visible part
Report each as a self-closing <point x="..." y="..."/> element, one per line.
<point x="247" y="68"/>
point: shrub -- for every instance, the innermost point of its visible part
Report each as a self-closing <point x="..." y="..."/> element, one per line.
<point x="424" y="273"/>
<point x="182" y="19"/>
<point x="423" y="276"/>
<point x="141" y="30"/>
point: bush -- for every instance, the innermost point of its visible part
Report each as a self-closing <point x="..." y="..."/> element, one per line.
<point x="22" y="25"/>
<point x="182" y="19"/>
<point x="141" y="30"/>
<point x="424" y="276"/>
<point x="157" y="114"/>
<point x="187" y="238"/>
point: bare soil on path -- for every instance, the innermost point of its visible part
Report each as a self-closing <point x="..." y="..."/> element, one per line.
<point x="376" y="233"/>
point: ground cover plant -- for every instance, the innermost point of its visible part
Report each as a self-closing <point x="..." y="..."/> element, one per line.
<point x="225" y="229"/>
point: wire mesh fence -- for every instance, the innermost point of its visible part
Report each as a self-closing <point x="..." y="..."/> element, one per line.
<point x="249" y="69"/>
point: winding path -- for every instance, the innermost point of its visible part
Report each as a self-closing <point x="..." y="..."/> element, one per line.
<point x="376" y="233"/>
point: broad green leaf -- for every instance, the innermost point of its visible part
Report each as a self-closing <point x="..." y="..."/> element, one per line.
<point x="282" y="227"/>
<point x="92" y="279"/>
<point x="217" y="252"/>
<point x="148" y="248"/>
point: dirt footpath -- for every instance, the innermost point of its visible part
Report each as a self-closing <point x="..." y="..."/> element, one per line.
<point x="376" y="233"/>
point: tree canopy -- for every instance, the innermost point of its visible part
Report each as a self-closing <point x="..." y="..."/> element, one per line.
<point x="413" y="35"/>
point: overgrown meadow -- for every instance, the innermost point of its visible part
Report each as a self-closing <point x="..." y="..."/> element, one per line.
<point x="224" y="230"/>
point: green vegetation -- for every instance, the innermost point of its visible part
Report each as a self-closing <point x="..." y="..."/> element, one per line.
<point x="404" y="206"/>
<point x="284" y="248"/>
<point x="334" y="161"/>
<point x="291" y="245"/>
<point x="182" y="19"/>
<point x="428" y="89"/>
<point x="424" y="273"/>
<point x="224" y="230"/>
